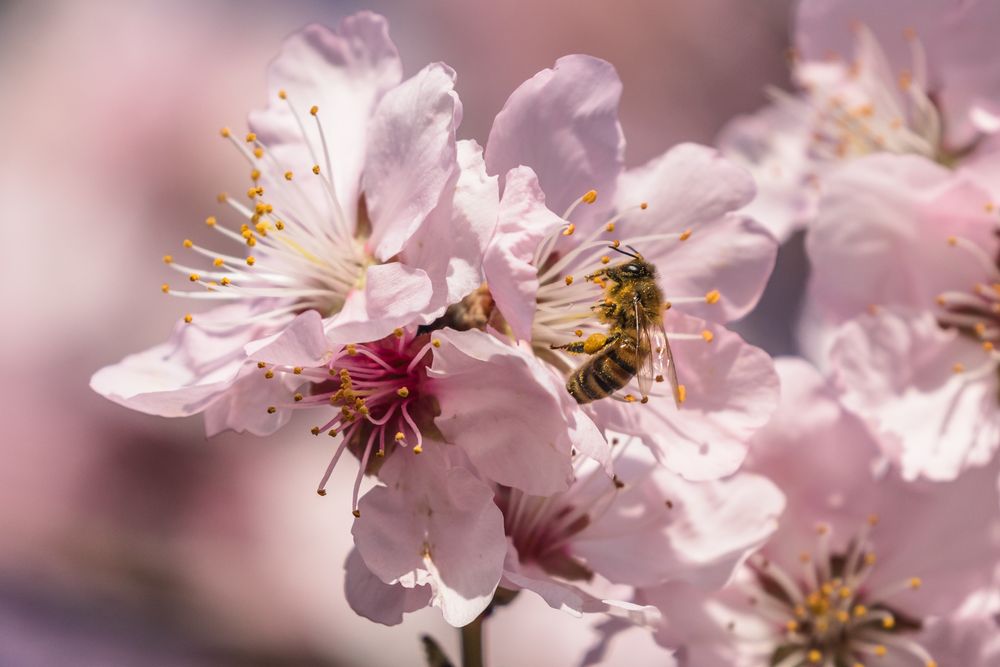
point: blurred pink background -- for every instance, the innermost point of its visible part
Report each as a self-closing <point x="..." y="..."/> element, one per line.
<point x="132" y="540"/>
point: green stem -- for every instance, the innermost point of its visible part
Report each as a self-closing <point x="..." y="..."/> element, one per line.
<point x="472" y="643"/>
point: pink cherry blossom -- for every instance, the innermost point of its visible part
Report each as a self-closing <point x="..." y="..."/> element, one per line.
<point x="863" y="567"/>
<point x="566" y="198"/>
<point x="363" y="207"/>
<point x="918" y="244"/>
<point x="874" y="77"/>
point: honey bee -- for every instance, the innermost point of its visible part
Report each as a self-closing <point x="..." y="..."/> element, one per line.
<point x="635" y="345"/>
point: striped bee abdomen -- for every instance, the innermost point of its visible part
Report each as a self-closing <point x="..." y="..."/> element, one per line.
<point x="604" y="373"/>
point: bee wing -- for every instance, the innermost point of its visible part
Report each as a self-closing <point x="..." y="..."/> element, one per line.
<point x="656" y="361"/>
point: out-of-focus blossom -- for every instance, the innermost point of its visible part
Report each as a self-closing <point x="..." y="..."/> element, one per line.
<point x="643" y="526"/>
<point x="863" y="567"/>
<point x="917" y="245"/>
<point x="874" y="77"/>
<point x="559" y="148"/>
<point x="362" y="207"/>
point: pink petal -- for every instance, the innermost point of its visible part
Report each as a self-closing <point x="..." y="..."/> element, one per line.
<point x="411" y="156"/>
<point x="692" y="187"/>
<point x="243" y="407"/>
<point x="517" y="428"/>
<point x="732" y="390"/>
<point x="395" y="295"/>
<point x="563" y="123"/>
<point x="897" y="371"/>
<point x="344" y="73"/>
<point x="376" y="600"/>
<point x="301" y="343"/>
<point x="772" y="144"/>
<point x="450" y="245"/>
<point x="435" y="518"/>
<point x="523" y="222"/>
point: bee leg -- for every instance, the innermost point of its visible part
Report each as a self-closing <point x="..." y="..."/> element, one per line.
<point x="596" y="274"/>
<point x="576" y="347"/>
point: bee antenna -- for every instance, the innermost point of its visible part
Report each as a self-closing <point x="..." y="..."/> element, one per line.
<point x="638" y="255"/>
<point x="627" y="254"/>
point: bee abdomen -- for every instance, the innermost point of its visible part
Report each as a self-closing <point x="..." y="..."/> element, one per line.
<point x="604" y="373"/>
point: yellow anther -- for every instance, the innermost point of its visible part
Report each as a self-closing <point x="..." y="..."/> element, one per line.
<point x="569" y="280"/>
<point x="989" y="207"/>
<point x="953" y="240"/>
<point x="321" y="492"/>
<point x="905" y="80"/>
<point x="279" y="225"/>
<point x="570" y="228"/>
<point x="873" y="520"/>
<point x="218" y="261"/>
<point x="402" y="392"/>
<point x="644" y="205"/>
<point x="578" y="333"/>
<point x="258" y="152"/>
<point x="870" y="558"/>
<point x="351" y="349"/>
<point x="297" y="370"/>
<point x="822" y="529"/>
<point x="616" y="243"/>
<point x="610" y="227"/>
<point x="363" y="410"/>
<point x="713" y="297"/>
<point x="685" y="235"/>
<point x="332" y="433"/>
<point x="792" y="626"/>
<point x="605" y="259"/>
<point x="418" y="449"/>
<point x="880" y="651"/>
<point x="251" y="260"/>
<point x="629" y="398"/>
<point x="590" y="197"/>
<point x="931" y="663"/>
<point x="288" y="175"/>
<point x="858" y="664"/>
<point x="188" y="319"/>
<point x="194" y="277"/>
<point x="356" y="513"/>
<point x="187" y="243"/>
<point x="221" y="197"/>
<point x="297" y="397"/>
<point x="800" y="611"/>
<point x="251" y="137"/>
<point x="282" y="94"/>
<point x="814" y="656"/>
<point x="271" y="410"/>
<point x="988" y="346"/>
<point x="251" y="192"/>
<point x="165" y="288"/>
<point x="399" y="436"/>
<point x="314" y="110"/>
<point x="658" y="378"/>
<point x="316" y="169"/>
<point x="888" y="622"/>
<point x="805" y="557"/>
<point x="269" y="375"/>
<point x="915" y="583"/>
<point x="708" y="335"/>
<point x="225" y="132"/>
<point x="314" y="430"/>
<point x="844" y="592"/>
<point x="225" y="281"/>
<point x="436" y="343"/>
<point x="958" y="368"/>
<point x="255" y="174"/>
<point x="681" y="393"/>
<point x="397" y="332"/>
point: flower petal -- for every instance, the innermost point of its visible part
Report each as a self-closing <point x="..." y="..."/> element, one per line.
<point x="563" y="123"/>
<point x="411" y="156"/>
<point x="376" y="600"/>
<point x="301" y="343"/>
<point x="395" y="295"/>
<point x="523" y="222"/>
<point x="343" y="73"/>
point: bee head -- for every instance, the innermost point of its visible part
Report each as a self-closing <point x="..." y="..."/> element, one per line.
<point x="637" y="269"/>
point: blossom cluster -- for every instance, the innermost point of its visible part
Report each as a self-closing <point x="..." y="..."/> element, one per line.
<point x="458" y="324"/>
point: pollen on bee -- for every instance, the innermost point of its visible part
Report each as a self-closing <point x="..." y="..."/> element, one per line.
<point x="188" y="319"/>
<point x="590" y="197"/>
<point x="713" y="297"/>
<point x="685" y="235"/>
